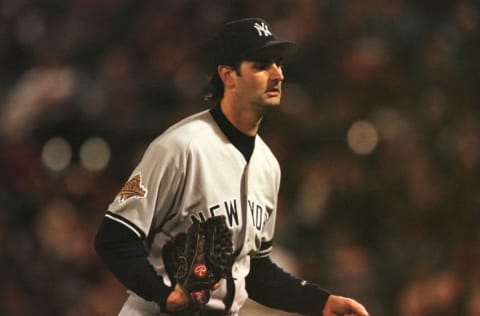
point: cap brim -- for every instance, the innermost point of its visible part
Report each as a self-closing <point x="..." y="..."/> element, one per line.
<point x="278" y="48"/>
<point x="281" y="44"/>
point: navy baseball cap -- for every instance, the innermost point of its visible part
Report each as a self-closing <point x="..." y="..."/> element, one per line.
<point x="242" y="39"/>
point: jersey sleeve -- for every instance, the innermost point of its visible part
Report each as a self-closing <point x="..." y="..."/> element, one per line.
<point x="148" y="197"/>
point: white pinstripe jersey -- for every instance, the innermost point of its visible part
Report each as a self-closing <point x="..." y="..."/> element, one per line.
<point x="192" y="170"/>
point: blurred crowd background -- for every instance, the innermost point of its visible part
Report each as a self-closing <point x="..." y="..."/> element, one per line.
<point x="378" y="138"/>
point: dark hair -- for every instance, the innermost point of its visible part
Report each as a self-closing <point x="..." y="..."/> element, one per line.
<point x="215" y="87"/>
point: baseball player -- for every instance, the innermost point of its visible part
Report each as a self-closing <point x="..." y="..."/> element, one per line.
<point x="210" y="164"/>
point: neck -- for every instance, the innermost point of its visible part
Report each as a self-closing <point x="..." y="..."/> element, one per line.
<point x="245" y="119"/>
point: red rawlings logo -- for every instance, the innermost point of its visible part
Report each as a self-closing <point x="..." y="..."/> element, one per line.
<point x="200" y="270"/>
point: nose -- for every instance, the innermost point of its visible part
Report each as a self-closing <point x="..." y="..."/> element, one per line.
<point x="276" y="72"/>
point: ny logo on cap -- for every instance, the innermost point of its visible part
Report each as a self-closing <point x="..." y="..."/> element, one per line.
<point x="262" y="29"/>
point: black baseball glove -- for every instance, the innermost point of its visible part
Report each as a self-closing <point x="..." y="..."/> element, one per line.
<point x="199" y="258"/>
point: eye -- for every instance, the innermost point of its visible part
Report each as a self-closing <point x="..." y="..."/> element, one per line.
<point x="262" y="64"/>
<point x="266" y="63"/>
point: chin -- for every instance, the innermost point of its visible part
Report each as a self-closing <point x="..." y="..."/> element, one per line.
<point x="272" y="102"/>
<point x="273" y="105"/>
<point x="266" y="103"/>
<point x="270" y="105"/>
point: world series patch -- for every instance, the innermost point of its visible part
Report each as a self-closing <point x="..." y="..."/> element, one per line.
<point x="133" y="188"/>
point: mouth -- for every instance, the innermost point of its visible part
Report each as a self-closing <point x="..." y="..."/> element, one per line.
<point x="273" y="92"/>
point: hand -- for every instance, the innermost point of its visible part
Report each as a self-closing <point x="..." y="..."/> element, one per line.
<point x="179" y="299"/>
<point x="342" y="306"/>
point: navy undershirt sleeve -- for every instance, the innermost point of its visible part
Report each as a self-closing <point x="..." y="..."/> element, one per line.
<point x="271" y="286"/>
<point x="124" y="254"/>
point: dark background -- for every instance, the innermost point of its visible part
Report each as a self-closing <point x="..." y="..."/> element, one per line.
<point x="378" y="138"/>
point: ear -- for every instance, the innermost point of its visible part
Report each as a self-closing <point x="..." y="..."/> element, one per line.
<point x="227" y="74"/>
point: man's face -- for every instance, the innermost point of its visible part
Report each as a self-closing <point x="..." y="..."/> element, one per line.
<point x="259" y="81"/>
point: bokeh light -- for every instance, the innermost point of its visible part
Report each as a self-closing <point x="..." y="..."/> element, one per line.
<point x="56" y="154"/>
<point x="94" y="154"/>
<point x="362" y="137"/>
